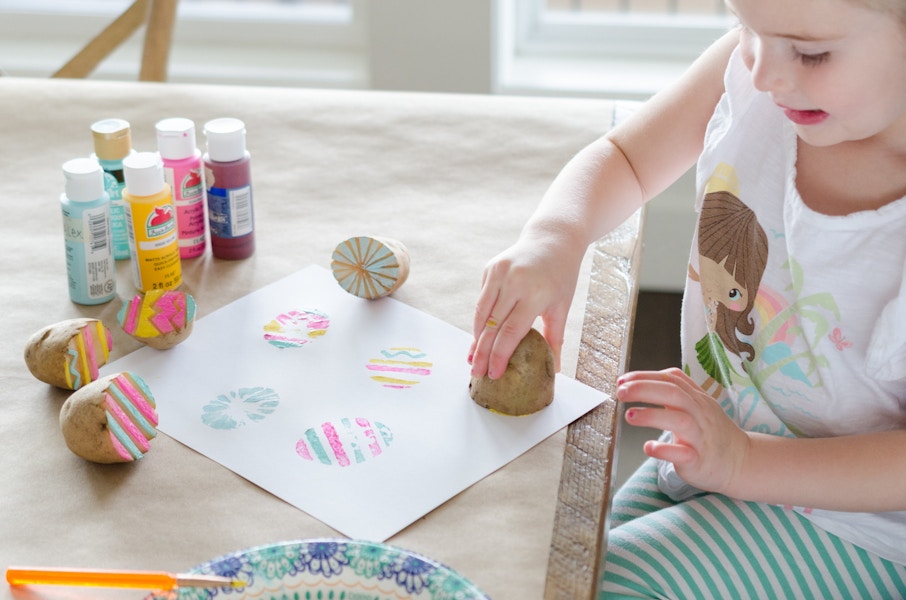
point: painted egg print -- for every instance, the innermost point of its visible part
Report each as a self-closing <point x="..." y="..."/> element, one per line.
<point x="295" y="328"/>
<point x="240" y="407"/>
<point x="399" y="367"/>
<point x="348" y="442"/>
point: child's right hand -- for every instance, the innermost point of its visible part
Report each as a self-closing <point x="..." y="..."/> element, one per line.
<point x="598" y="189"/>
<point x="535" y="277"/>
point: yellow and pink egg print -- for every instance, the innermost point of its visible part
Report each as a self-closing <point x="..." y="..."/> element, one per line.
<point x="399" y="367"/>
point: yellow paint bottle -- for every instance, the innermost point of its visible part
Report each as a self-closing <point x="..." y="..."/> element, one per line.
<point x="151" y="223"/>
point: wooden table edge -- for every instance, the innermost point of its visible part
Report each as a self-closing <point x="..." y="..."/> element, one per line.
<point x="579" y="537"/>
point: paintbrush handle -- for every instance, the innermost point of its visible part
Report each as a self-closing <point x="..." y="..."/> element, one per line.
<point x="155" y="580"/>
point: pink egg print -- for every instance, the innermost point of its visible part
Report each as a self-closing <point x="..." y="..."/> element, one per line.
<point x="295" y="328"/>
<point x="351" y="441"/>
<point x="399" y="367"/>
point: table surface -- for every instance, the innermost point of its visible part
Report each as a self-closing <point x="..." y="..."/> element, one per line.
<point x="452" y="176"/>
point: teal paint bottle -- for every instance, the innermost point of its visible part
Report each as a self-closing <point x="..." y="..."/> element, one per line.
<point x="113" y="143"/>
<point x="85" y="205"/>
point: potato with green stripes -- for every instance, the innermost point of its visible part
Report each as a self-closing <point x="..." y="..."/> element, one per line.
<point x="68" y="354"/>
<point x="110" y="420"/>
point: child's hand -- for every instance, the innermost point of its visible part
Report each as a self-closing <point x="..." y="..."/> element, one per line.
<point x="708" y="449"/>
<point x="527" y="280"/>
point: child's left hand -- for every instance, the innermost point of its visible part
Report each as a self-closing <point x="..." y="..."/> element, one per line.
<point x="708" y="449"/>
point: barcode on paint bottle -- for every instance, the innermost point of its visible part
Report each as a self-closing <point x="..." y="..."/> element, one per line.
<point x="99" y="276"/>
<point x="97" y="232"/>
<point x="241" y="210"/>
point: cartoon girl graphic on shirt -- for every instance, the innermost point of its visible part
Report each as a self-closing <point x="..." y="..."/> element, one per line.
<point x="733" y="252"/>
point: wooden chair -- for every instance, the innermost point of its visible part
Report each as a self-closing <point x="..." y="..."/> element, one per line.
<point x="159" y="16"/>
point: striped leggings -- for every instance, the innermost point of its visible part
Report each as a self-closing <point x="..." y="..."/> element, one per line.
<point x="714" y="547"/>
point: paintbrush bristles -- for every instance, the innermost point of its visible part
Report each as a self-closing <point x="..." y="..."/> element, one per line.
<point x="206" y="581"/>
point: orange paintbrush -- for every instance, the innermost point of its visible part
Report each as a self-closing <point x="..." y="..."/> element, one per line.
<point x="154" y="580"/>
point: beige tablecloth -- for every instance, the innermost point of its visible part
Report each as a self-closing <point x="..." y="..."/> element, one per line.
<point x="454" y="177"/>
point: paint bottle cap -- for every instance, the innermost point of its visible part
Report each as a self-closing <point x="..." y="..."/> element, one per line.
<point x="112" y="139"/>
<point x="176" y="138"/>
<point x="84" y="179"/>
<point x="144" y="173"/>
<point x="225" y="139"/>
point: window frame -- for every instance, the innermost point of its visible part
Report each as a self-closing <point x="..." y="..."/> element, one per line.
<point x="628" y="55"/>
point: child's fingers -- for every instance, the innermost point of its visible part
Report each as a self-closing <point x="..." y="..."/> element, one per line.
<point x="506" y="336"/>
<point x="487" y="299"/>
<point x="553" y="329"/>
<point x="682" y="424"/>
<point x="497" y="338"/>
<point x="677" y="454"/>
<point x="654" y="391"/>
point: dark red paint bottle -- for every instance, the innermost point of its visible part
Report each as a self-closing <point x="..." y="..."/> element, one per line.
<point x="231" y="217"/>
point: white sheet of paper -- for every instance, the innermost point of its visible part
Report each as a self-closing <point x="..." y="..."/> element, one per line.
<point x="309" y="423"/>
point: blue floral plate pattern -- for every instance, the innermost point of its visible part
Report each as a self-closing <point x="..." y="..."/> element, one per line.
<point x="329" y="569"/>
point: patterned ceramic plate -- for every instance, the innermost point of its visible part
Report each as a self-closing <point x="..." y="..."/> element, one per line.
<point x="330" y="569"/>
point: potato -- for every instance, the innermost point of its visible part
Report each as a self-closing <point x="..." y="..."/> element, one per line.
<point x="526" y="386"/>
<point x="68" y="354"/>
<point x="110" y="420"/>
<point x="160" y="319"/>
<point x="370" y="267"/>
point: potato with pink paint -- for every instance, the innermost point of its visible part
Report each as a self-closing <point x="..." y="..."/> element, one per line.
<point x="160" y="319"/>
<point x="110" y="420"/>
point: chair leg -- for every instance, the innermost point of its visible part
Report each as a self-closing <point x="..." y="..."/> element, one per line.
<point x="158" y="38"/>
<point x="83" y="63"/>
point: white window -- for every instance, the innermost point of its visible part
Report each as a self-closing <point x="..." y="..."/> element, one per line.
<point x="615" y="48"/>
<point x="278" y="42"/>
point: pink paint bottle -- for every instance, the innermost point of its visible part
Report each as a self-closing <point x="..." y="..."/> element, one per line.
<point x="229" y="189"/>
<point x="183" y="171"/>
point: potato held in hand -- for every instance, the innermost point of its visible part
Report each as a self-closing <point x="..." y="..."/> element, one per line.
<point x="110" y="420"/>
<point x="527" y="386"/>
<point x="68" y="354"/>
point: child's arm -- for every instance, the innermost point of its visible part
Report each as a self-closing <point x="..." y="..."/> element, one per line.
<point x="596" y="191"/>
<point x="864" y="473"/>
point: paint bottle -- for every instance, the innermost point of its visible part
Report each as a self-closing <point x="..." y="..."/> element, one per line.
<point x="185" y="176"/>
<point x="86" y="228"/>
<point x="151" y="221"/>
<point x="113" y="143"/>
<point x="229" y="189"/>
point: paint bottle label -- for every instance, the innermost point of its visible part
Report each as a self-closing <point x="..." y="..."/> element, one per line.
<point x="188" y="197"/>
<point x="230" y="211"/>
<point x="153" y="235"/>
<point x="113" y="185"/>
<point x="89" y="264"/>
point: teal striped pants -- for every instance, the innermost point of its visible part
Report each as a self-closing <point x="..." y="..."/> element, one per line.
<point x="714" y="547"/>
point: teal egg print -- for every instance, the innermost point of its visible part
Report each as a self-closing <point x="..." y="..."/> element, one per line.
<point x="241" y="407"/>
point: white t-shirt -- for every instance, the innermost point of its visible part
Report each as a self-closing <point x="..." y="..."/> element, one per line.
<point x="794" y="321"/>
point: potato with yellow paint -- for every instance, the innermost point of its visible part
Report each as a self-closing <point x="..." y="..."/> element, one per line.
<point x="68" y="354"/>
